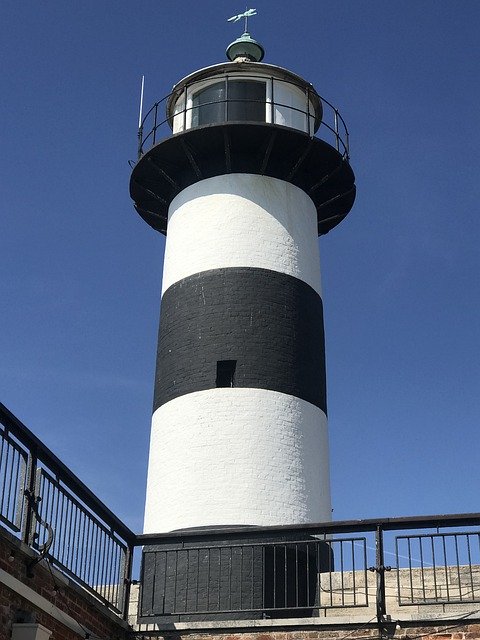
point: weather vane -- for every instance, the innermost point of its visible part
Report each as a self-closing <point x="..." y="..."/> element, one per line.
<point x="247" y="14"/>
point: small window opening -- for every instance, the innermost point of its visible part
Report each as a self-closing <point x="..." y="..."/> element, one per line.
<point x="226" y="373"/>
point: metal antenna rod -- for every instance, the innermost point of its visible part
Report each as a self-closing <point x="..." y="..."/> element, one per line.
<point x="141" y="103"/>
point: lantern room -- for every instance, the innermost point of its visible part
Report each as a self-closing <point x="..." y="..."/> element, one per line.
<point x="244" y="91"/>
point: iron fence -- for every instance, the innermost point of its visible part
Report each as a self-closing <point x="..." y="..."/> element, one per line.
<point x="50" y="509"/>
<point x="310" y="570"/>
<point x="273" y="577"/>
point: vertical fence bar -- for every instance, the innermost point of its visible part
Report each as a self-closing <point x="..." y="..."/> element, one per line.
<point x="353" y="574"/>
<point x="422" y="568"/>
<point x="155" y="123"/>
<point x="447" y="585"/>
<point x="209" y="560"/>
<point x="470" y="566"/>
<point x="296" y="575"/>
<point x="308" y="112"/>
<point x="410" y="574"/>
<point x="272" y="101"/>
<point x="125" y="582"/>
<point x="379" y="556"/>
<point x="226" y="99"/>
<point x="342" y="573"/>
<point x="365" y="574"/>
<point x="185" y="108"/>
<point x="7" y="494"/>
<point x="457" y="558"/>
<point x="337" y="142"/>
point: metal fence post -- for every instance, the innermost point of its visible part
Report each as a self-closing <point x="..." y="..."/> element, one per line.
<point x="380" y="570"/>
<point x="28" y="516"/>
<point x="127" y="580"/>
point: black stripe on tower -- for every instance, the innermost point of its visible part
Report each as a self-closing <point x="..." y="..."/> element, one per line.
<point x="242" y="327"/>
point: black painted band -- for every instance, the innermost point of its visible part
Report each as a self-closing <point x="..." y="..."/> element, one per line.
<point x="270" y="323"/>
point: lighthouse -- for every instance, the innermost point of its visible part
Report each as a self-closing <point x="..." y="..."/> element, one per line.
<point x="248" y="174"/>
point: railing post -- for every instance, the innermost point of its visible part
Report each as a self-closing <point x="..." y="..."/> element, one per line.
<point x="140" y="141"/>
<point x="380" y="570"/>
<point x="127" y="580"/>
<point x="226" y="98"/>
<point x="155" y="124"/>
<point x="272" y="107"/>
<point x="28" y="516"/>
<point x="308" y="111"/>
<point x="336" y="130"/>
<point x="185" y="108"/>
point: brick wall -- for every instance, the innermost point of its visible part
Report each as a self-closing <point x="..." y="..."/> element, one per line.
<point x="450" y="631"/>
<point x="69" y="599"/>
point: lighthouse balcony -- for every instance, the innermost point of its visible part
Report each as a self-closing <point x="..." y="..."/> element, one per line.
<point x="244" y="97"/>
<point x="64" y="554"/>
<point x="243" y="122"/>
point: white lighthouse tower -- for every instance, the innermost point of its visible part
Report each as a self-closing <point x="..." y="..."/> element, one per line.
<point x="242" y="187"/>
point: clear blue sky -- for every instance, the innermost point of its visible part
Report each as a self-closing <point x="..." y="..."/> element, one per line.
<point x="81" y="271"/>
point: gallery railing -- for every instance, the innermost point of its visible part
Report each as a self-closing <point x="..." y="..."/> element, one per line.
<point x="157" y="124"/>
<point x="379" y="566"/>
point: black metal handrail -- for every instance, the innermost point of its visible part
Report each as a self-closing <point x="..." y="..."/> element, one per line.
<point x="433" y="565"/>
<point x="155" y="125"/>
<point x="16" y="428"/>
<point x="53" y="511"/>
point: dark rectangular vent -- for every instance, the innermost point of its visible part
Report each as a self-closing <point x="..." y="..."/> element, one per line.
<point x="226" y="373"/>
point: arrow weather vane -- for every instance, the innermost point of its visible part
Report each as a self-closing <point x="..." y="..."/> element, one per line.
<point x="247" y="14"/>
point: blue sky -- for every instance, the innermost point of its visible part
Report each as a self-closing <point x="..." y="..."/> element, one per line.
<point x="81" y="272"/>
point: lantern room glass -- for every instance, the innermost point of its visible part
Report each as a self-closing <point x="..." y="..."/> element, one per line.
<point x="232" y="100"/>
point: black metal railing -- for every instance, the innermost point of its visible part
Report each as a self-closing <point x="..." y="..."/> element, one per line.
<point x="272" y="574"/>
<point x="311" y="569"/>
<point x="157" y="123"/>
<point x="442" y="568"/>
<point x="378" y="566"/>
<point x="50" y="509"/>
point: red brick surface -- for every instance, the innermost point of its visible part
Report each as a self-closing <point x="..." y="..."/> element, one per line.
<point x="68" y="598"/>
<point x="461" y="632"/>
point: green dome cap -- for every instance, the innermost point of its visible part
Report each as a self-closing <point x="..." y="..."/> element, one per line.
<point x="245" y="47"/>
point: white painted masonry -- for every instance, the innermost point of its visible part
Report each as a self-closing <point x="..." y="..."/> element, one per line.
<point x="237" y="456"/>
<point x="242" y="220"/>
